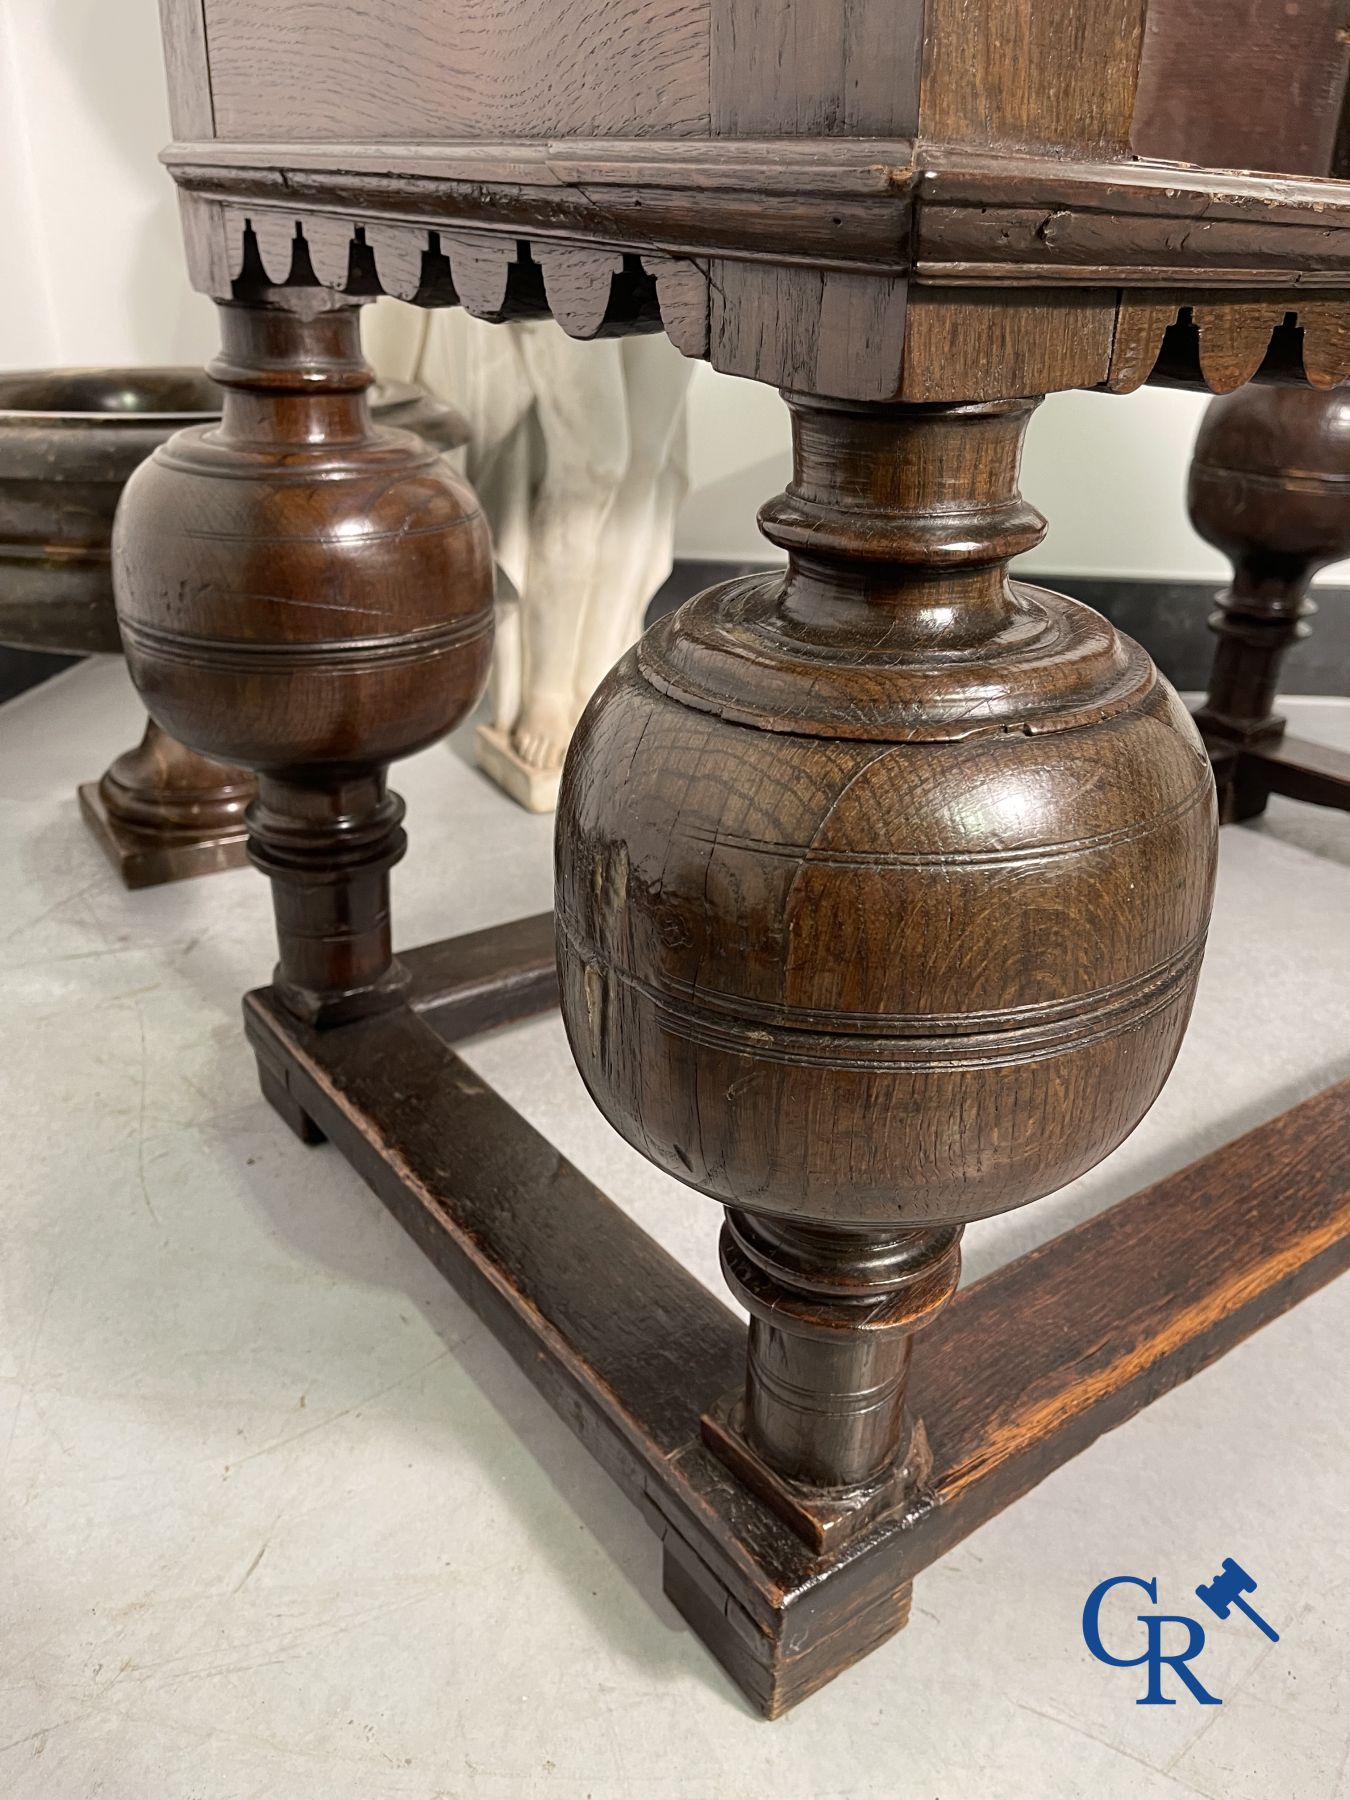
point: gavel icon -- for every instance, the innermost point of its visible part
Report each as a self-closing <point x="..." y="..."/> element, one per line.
<point x="1225" y="1592"/>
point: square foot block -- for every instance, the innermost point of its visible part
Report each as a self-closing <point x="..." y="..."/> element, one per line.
<point x="278" y="1096"/>
<point x="823" y="1520"/>
<point x="148" y="859"/>
<point x="779" y="1661"/>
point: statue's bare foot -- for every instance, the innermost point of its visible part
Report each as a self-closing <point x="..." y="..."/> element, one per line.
<point x="543" y="733"/>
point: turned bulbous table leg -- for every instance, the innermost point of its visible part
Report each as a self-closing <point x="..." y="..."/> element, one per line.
<point x="1270" y="487"/>
<point x="892" y="922"/>
<point x="163" y="812"/>
<point x="308" y="596"/>
<point x="822" y="1431"/>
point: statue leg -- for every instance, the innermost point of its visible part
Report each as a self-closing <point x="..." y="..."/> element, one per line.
<point x="579" y="396"/>
<point x="637" y="540"/>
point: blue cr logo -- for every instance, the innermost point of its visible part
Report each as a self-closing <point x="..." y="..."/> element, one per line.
<point x="1164" y="1650"/>
<point x="1164" y="1647"/>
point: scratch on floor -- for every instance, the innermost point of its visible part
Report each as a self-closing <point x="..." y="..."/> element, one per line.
<point x="262" y="1551"/>
<point x="43" y="1731"/>
<point x="140" y="1122"/>
<point x="1215" y="1715"/>
<point x="27" y="1376"/>
<point x="1115" y="1749"/>
<point x="332" y="1418"/>
<point x="48" y="912"/>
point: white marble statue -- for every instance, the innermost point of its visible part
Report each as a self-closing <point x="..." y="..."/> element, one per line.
<point x="578" y="453"/>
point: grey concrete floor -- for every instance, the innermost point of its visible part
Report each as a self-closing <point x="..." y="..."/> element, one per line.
<point x="278" y="1518"/>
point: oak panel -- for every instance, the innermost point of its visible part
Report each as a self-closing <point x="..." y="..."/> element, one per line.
<point x="183" y="30"/>
<point x="816" y="68"/>
<point x="305" y="69"/>
<point x="964" y="343"/>
<point x="821" y="331"/>
<point x="1022" y="74"/>
<point x="1242" y="84"/>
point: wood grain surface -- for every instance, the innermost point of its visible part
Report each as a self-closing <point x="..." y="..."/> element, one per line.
<point x="1175" y="1276"/>
<point x="162" y="812"/>
<point x="895" y="917"/>
<point x="816" y="68"/>
<point x="803" y="170"/>
<point x="1018" y="74"/>
<point x="485" y="978"/>
<point x="800" y="969"/>
<point x="428" y="69"/>
<point x="1302" y="770"/>
<point x="980" y="344"/>
<point x="1243" y="84"/>
<point x="182" y="26"/>
<point x="826" y="331"/>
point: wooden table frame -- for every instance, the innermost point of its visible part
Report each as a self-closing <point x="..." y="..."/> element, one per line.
<point x="1295" y="768"/>
<point x="1127" y="1305"/>
<point x="915" y="217"/>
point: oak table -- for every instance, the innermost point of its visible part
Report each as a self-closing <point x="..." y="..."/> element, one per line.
<point x="883" y="881"/>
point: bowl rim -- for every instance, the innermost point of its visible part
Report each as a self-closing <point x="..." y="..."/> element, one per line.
<point x="125" y="373"/>
<point x="385" y="390"/>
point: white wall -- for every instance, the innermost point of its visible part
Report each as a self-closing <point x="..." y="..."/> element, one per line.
<point x="98" y="277"/>
<point x="94" y="274"/>
<point x="1108" y="472"/>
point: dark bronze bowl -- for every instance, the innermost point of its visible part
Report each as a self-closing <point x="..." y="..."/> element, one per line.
<point x="69" y="438"/>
